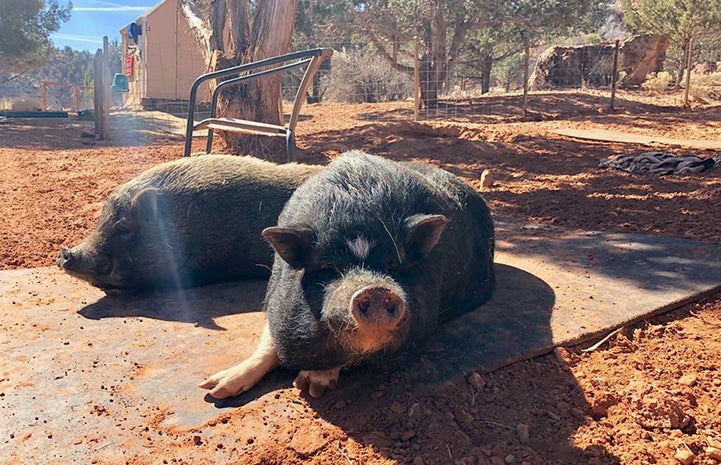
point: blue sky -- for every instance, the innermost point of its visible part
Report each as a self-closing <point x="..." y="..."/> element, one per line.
<point x="92" y="19"/>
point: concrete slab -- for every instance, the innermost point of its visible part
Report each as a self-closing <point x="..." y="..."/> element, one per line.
<point x="606" y="135"/>
<point x="82" y="372"/>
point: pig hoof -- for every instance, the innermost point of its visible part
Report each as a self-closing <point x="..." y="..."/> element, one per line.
<point x="227" y="383"/>
<point x="233" y="381"/>
<point x="242" y="377"/>
<point x="317" y="381"/>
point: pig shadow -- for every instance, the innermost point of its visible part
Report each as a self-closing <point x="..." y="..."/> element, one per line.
<point x="418" y="391"/>
<point x="407" y="405"/>
<point x="514" y="325"/>
<point x="201" y="305"/>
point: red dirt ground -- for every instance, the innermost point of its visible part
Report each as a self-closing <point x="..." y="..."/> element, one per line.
<point x="647" y="395"/>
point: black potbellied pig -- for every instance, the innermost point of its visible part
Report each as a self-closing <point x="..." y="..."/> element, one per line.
<point x="184" y="223"/>
<point x="370" y="255"/>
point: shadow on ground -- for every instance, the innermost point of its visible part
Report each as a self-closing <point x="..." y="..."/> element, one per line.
<point x="200" y="306"/>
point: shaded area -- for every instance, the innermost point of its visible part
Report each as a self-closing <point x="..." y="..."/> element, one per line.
<point x="200" y="306"/>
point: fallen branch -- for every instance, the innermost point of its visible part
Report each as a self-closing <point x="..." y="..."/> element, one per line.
<point x="598" y="344"/>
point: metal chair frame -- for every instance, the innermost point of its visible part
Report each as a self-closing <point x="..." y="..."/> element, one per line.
<point x="313" y="58"/>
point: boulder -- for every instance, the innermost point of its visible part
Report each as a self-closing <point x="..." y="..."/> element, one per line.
<point x="592" y="65"/>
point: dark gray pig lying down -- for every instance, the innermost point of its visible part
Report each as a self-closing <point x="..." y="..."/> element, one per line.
<point x="370" y="255"/>
<point x="184" y="223"/>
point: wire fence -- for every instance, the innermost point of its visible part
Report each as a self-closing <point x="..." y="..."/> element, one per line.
<point x="160" y="78"/>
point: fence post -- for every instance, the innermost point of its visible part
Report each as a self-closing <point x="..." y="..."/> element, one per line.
<point x="614" y="74"/>
<point x="44" y="96"/>
<point x="689" y="52"/>
<point x="99" y="95"/>
<point x="77" y="98"/>
<point x="416" y="82"/>
<point x="107" y="95"/>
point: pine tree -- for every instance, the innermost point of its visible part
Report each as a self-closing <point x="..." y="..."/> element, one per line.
<point x="25" y="28"/>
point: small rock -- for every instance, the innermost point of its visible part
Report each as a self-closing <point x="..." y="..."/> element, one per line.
<point x="307" y="442"/>
<point x="398" y="408"/>
<point x="341" y="404"/>
<point x="523" y="433"/>
<point x="477" y="381"/>
<point x="378" y="439"/>
<point x="487" y="179"/>
<point x="716" y="381"/>
<point x="563" y="356"/>
<point x="495" y="460"/>
<point x="418" y="460"/>
<point x="510" y="458"/>
<point x="688" y="380"/>
<point x="684" y="456"/>
<point x="714" y="453"/>
<point x="408" y="435"/>
<point x="713" y="442"/>
<point x="197" y="440"/>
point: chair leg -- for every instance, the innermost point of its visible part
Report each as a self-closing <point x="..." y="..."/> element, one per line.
<point x="209" y="142"/>
<point x="290" y="145"/>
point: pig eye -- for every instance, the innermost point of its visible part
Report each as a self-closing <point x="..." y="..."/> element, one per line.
<point x="122" y="229"/>
<point x="392" y="267"/>
<point x="322" y="268"/>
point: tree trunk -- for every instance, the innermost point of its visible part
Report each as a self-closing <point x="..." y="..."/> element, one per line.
<point x="259" y="99"/>
<point x="428" y="83"/>
<point x="682" y="65"/>
<point x="227" y="40"/>
<point x="526" y="59"/>
<point x="486" y="73"/>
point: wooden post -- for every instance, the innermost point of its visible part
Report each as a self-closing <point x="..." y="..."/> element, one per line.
<point x="44" y="95"/>
<point x="99" y="95"/>
<point x="689" y="52"/>
<point x="614" y="73"/>
<point x="416" y="82"/>
<point x="107" y="94"/>
<point x="77" y="98"/>
<point x="526" y="61"/>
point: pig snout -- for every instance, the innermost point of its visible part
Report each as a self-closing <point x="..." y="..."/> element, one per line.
<point x="377" y="307"/>
<point x="66" y="259"/>
<point x="75" y="261"/>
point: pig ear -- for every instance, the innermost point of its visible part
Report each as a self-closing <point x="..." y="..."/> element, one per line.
<point x="294" y="245"/>
<point x="423" y="233"/>
<point x="145" y="205"/>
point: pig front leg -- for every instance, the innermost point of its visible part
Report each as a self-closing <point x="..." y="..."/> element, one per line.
<point x="242" y="377"/>
<point x="317" y="381"/>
